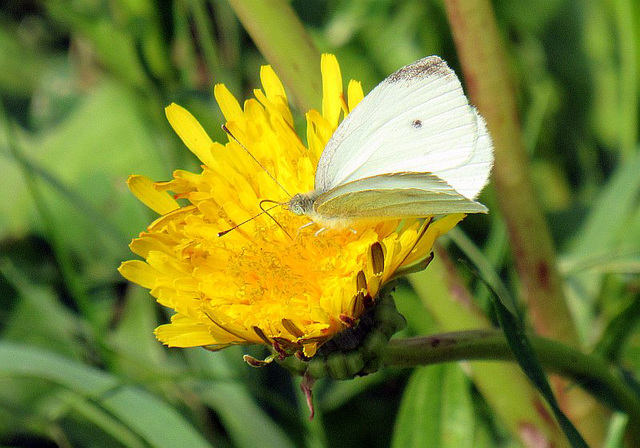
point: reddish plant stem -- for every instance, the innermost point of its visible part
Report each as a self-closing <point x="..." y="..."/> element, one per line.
<point x="487" y="77"/>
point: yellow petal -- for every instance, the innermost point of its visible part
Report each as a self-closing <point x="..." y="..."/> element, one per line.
<point x="443" y="225"/>
<point x="275" y="109"/>
<point x="184" y="335"/>
<point x="145" y="244"/>
<point x="354" y="93"/>
<point x="436" y="229"/>
<point x="228" y="104"/>
<point x="271" y="83"/>
<point x="191" y="132"/>
<point x="275" y="93"/>
<point x="139" y="272"/>
<point x="318" y="131"/>
<point x="310" y="350"/>
<point x="331" y="89"/>
<point x="143" y="188"/>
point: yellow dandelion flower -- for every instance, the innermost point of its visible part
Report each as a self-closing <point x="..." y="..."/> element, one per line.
<point x="272" y="280"/>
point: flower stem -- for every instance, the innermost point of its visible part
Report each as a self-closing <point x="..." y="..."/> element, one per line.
<point x="591" y="373"/>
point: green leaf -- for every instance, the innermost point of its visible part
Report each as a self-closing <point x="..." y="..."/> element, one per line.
<point x="483" y="264"/>
<point x="607" y="241"/>
<point x="247" y="424"/>
<point x="608" y="220"/>
<point x="528" y="360"/>
<point x="138" y="351"/>
<point x="86" y="194"/>
<point x="22" y="66"/>
<point x="436" y="410"/>
<point x="38" y="317"/>
<point x="151" y="418"/>
<point x="615" y="435"/>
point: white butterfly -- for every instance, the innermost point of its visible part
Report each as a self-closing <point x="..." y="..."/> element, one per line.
<point x="413" y="147"/>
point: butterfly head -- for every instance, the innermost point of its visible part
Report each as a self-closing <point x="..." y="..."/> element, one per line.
<point x="300" y="204"/>
<point x="303" y="204"/>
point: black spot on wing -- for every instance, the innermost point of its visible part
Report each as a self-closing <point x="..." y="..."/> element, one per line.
<point x="416" y="124"/>
<point x="422" y="68"/>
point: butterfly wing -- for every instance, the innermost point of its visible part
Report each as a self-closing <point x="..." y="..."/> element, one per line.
<point x="398" y="195"/>
<point x="416" y="120"/>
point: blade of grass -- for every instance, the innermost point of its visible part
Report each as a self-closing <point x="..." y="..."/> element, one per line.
<point x="436" y="409"/>
<point x="603" y="227"/>
<point x="236" y="407"/>
<point x="525" y="355"/>
<point x="63" y="257"/>
<point x="206" y="39"/>
<point x="521" y="347"/>
<point x="616" y="431"/>
<point x="282" y="39"/>
<point x="94" y="415"/>
<point x="447" y="299"/>
<point x="38" y="317"/>
<point x="482" y="263"/>
<point x="113" y="44"/>
<point x="420" y="418"/>
<point x="624" y="16"/>
<point x="102" y="222"/>
<point x="185" y="46"/>
<point x="619" y="330"/>
<point x="157" y="422"/>
<point x="482" y="58"/>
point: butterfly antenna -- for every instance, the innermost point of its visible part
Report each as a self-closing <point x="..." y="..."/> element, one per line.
<point x="226" y="129"/>
<point x="223" y="233"/>
<point x="274" y="219"/>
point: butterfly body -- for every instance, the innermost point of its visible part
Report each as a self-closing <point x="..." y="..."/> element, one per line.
<point x="413" y="147"/>
<point x="302" y="204"/>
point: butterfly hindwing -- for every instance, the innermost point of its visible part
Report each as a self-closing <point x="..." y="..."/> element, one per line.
<point x="398" y="195"/>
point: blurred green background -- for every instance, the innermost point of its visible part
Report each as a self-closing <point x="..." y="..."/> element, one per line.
<point x="84" y="85"/>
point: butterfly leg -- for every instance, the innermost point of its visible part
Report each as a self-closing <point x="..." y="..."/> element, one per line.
<point x="320" y="231"/>
<point x="302" y="227"/>
<point x="355" y="232"/>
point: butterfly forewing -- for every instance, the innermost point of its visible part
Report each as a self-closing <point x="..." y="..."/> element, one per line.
<point x="416" y="120"/>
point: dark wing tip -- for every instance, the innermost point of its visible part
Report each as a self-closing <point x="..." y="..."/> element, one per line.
<point x="422" y="68"/>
